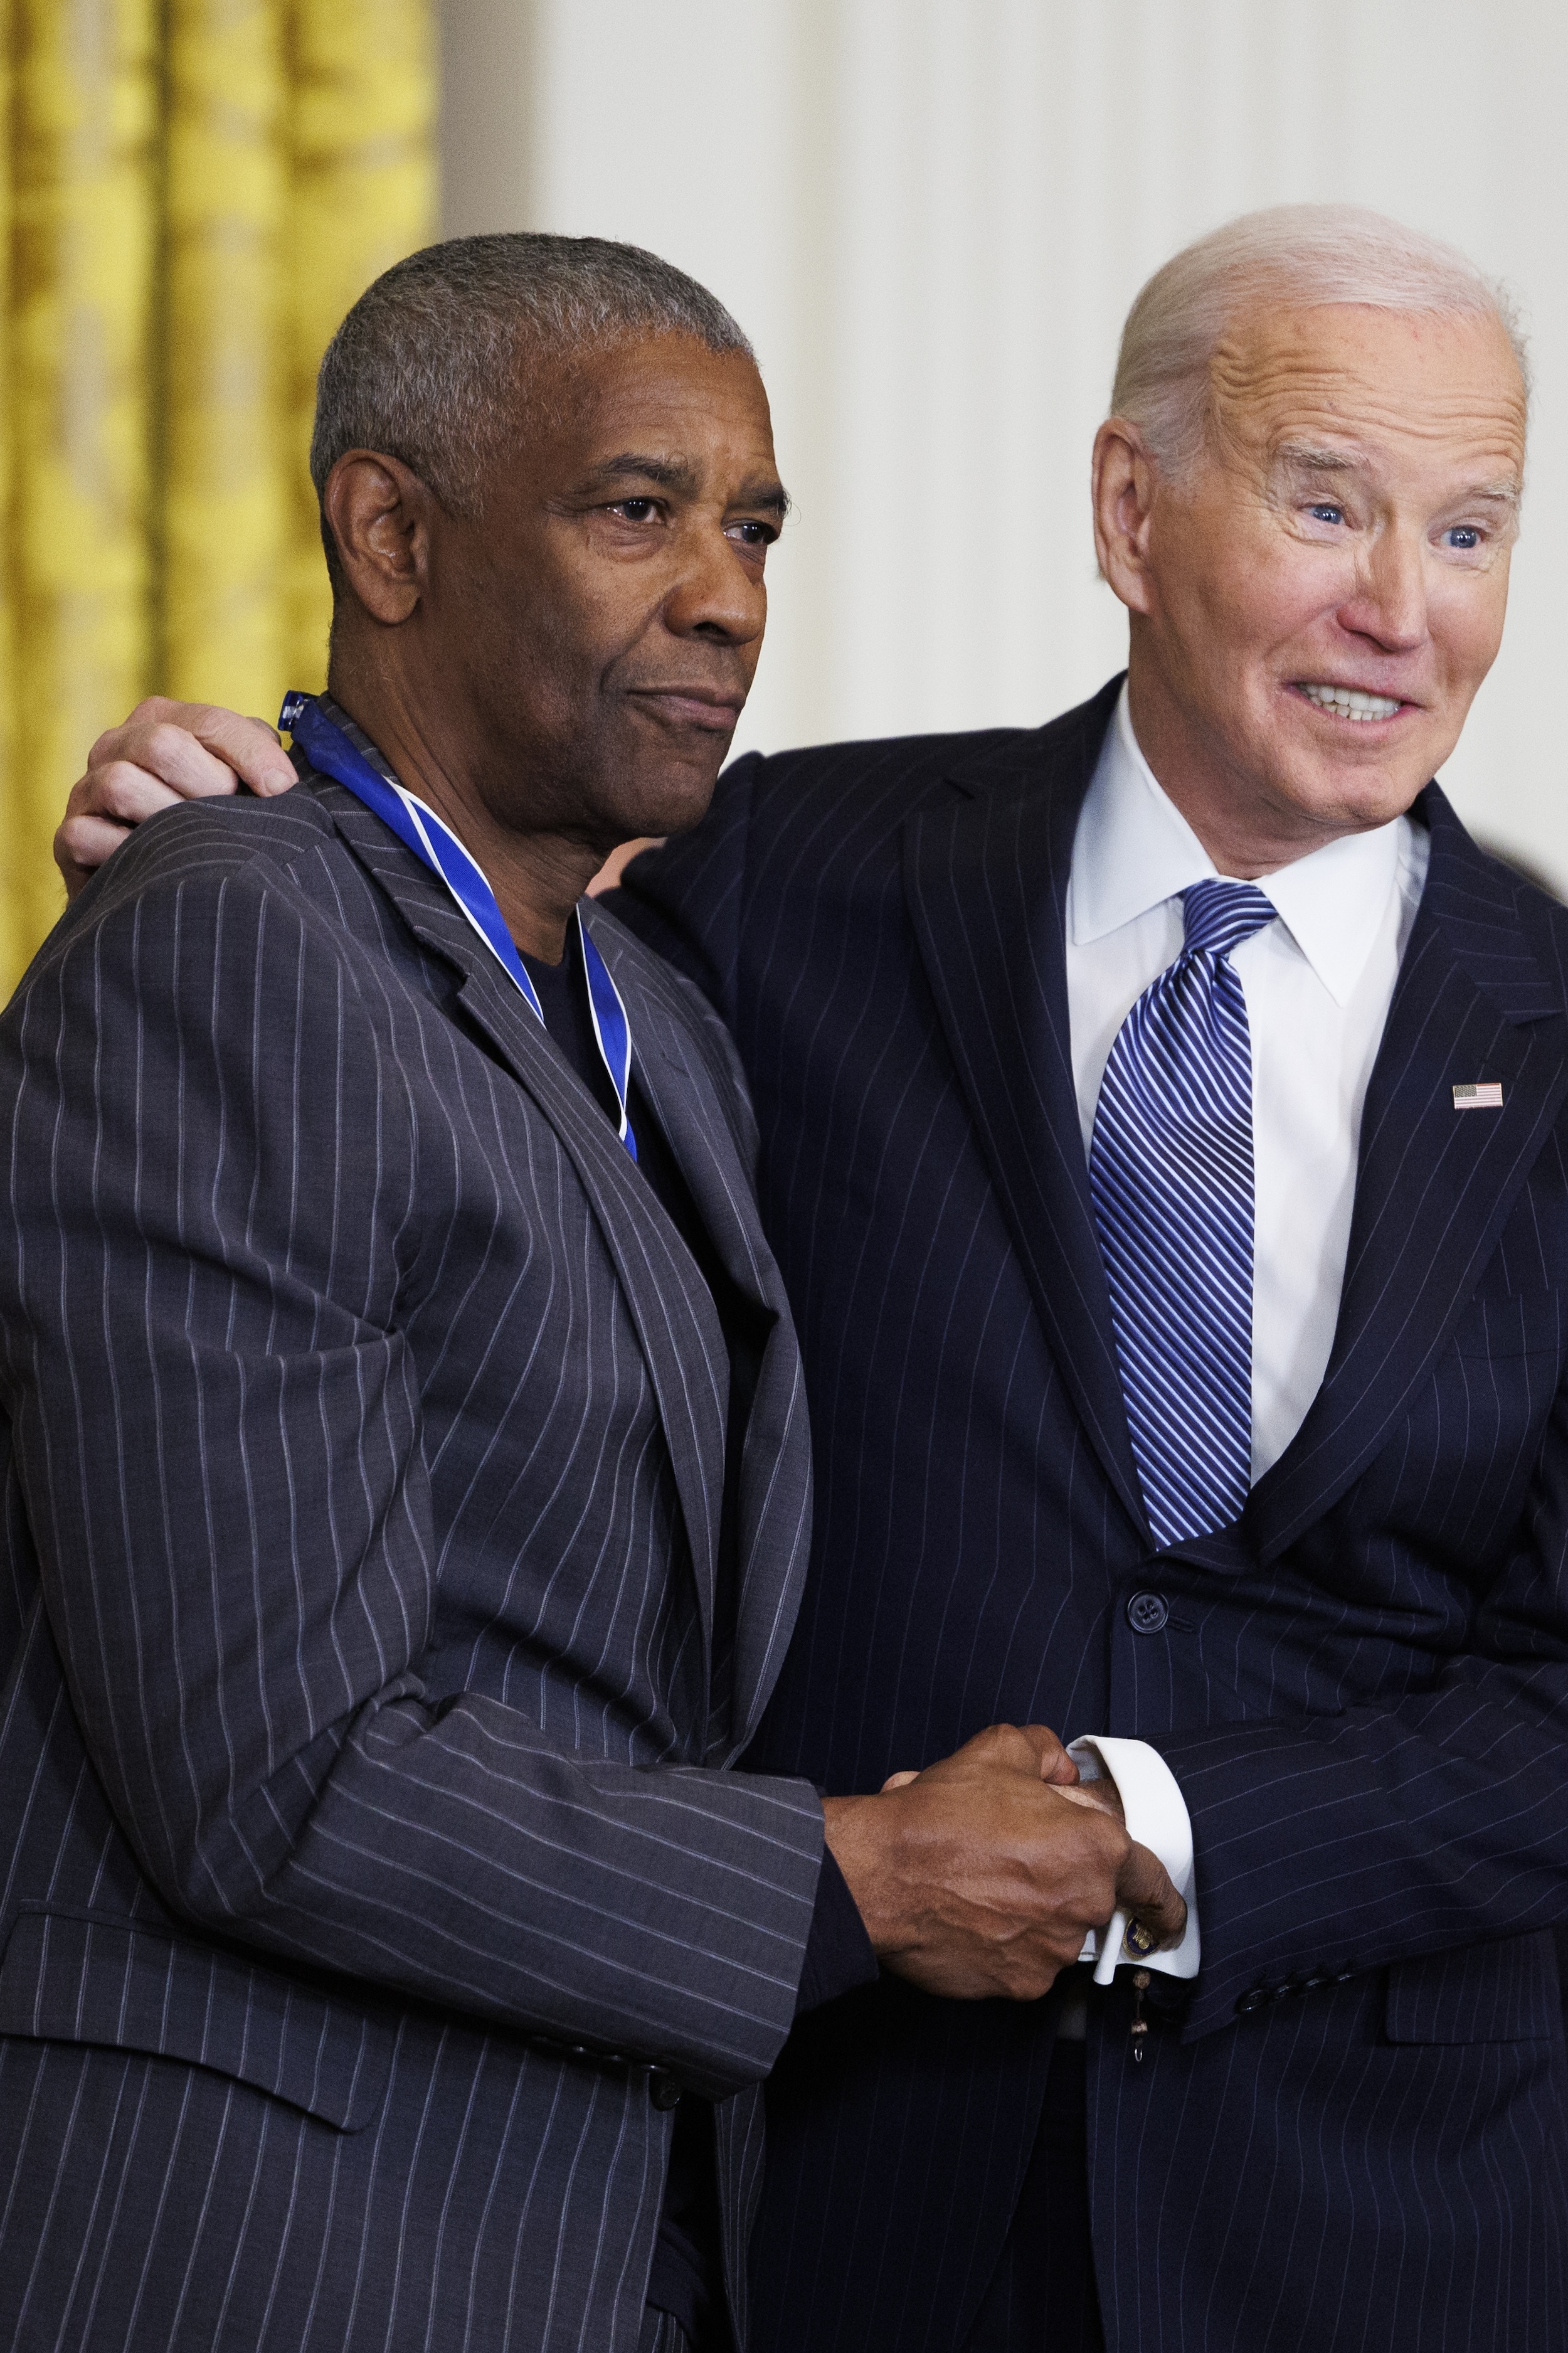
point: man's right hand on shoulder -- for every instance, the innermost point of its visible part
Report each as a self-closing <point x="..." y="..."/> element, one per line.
<point x="984" y="1874"/>
<point x="165" y="752"/>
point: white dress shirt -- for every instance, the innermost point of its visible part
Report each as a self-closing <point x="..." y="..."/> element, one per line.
<point x="1318" y="984"/>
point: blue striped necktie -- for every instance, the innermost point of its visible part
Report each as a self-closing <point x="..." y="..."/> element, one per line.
<point x="1170" y="1174"/>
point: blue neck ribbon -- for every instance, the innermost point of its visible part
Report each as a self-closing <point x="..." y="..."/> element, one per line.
<point x="330" y="750"/>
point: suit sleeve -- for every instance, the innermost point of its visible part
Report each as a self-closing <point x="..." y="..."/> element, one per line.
<point x="214" y="1219"/>
<point x="1336" y="1843"/>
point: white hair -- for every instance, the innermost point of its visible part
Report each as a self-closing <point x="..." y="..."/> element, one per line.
<point x="1297" y="254"/>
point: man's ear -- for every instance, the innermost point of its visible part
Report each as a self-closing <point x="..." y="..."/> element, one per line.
<point x="379" y="515"/>
<point x="1124" y="482"/>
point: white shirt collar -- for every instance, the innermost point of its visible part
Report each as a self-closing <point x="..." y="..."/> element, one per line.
<point x="1134" y="849"/>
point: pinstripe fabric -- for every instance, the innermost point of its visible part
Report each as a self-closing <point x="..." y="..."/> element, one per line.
<point x="328" y="737"/>
<point x="1352" y="2136"/>
<point x="364" y="1442"/>
<point x="663" y="2333"/>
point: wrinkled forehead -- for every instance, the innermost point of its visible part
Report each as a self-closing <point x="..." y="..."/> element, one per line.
<point x="630" y="414"/>
<point x="647" y="388"/>
<point x="1435" y="387"/>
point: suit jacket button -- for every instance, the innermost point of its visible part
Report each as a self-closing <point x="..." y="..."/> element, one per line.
<point x="662" y="2088"/>
<point x="1147" y="1613"/>
<point x="1254" y="1998"/>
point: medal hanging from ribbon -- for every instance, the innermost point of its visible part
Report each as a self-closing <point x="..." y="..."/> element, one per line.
<point x="433" y="843"/>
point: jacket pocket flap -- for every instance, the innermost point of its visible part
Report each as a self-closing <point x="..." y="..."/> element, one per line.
<point x="1526" y="1323"/>
<point x="69" y="1978"/>
<point x="1504" y="1992"/>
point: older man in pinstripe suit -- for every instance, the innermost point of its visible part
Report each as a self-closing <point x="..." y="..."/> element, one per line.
<point x="944" y="962"/>
<point x="1165" y="1143"/>
<point x="406" y="1469"/>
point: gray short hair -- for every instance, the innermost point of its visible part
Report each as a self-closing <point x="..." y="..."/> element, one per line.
<point x="1302" y="255"/>
<point x="431" y="363"/>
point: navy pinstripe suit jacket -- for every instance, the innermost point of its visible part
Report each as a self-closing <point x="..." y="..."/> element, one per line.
<point x="363" y="1439"/>
<point x="1353" y="2135"/>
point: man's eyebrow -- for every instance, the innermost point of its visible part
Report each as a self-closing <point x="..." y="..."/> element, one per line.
<point x="633" y="465"/>
<point x="1308" y="460"/>
<point x="1304" y="460"/>
<point x="675" y="474"/>
<point x="768" y="493"/>
<point x="1494" y="494"/>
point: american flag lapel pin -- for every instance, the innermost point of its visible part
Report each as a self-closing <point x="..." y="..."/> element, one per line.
<point x="1481" y="1094"/>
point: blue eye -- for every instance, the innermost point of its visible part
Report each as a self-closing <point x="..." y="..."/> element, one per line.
<point x="1463" y="536"/>
<point x="1325" y="511"/>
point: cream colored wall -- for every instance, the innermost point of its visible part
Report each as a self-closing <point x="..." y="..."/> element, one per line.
<point x="931" y="216"/>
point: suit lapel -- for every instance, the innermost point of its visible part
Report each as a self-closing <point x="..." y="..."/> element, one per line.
<point x="670" y="1307"/>
<point x="1434" y="1186"/>
<point x="692" y="1116"/>
<point x="773" y="1529"/>
<point x="986" y="879"/>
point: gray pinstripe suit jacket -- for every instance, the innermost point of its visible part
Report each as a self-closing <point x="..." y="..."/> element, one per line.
<point x="364" y="1718"/>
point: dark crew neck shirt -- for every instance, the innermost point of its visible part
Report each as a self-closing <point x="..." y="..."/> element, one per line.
<point x="687" y="2278"/>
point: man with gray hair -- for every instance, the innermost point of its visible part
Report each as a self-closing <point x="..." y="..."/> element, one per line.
<point x="405" y="1465"/>
<point x="1165" y="1144"/>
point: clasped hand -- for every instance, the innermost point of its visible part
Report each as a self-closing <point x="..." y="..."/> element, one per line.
<point x="984" y="1874"/>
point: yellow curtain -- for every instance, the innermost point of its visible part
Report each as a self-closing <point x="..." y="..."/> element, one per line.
<point x="193" y="192"/>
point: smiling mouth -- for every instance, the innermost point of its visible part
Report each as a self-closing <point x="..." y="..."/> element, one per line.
<point x="1351" y="702"/>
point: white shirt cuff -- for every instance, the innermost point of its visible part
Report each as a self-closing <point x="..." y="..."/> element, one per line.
<point x="1156" y="1816"/>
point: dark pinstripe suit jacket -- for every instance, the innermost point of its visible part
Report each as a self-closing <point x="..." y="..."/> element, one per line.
<point x="363" y="1438"/>
<point x="1354" y="2136"/>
